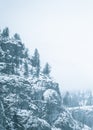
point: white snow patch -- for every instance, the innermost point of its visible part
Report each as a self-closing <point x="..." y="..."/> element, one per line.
<point x="51" y="95"/>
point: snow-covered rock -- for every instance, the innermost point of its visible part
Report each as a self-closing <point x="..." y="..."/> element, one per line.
<point x="83" y="114"/>
<point x="27" y="101"/>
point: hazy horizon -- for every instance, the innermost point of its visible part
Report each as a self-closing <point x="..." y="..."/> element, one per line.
<point x="61" y="31"/>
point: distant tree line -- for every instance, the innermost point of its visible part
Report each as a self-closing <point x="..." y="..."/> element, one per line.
<point x="75" y="99"/>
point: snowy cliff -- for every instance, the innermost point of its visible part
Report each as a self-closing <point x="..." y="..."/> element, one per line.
<point x="29" y="98"/>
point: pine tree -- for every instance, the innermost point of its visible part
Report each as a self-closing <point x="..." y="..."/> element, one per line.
<point x="26" y="53"/>
<point x="17" y="36"/>
<point x="5" y="32"/>
<point x="35" y="61"/>
<point x="90" y="99"/>
<point x="66" y="99"/>
<point x="26" y="69"/>
<point x="47" y="69"/>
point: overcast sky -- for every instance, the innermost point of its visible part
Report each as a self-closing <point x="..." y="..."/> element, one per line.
<point x="62" y="30"/>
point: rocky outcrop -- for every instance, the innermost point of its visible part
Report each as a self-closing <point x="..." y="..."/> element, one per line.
<point x="28" y="101"/>
<point x="23" y="99"/>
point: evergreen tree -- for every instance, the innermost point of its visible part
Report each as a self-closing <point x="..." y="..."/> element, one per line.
<point x="37" y="71"/>
<point x="16" y="64"/>
<point x="26" y="69"/>
<point x="26" y="53"/>
<point x="8" y="57"/>
<point x="90" y="99"/>
<point x="47" y="69"/>
<point x="67" y="99"/>
<point x="35" y="61"/>
<point x="17" y="36"/>
<point x="16" y="59"/>
<point x="12" y="68"/>
<point x="12" y="64"/>
<point x="5" y="32"/>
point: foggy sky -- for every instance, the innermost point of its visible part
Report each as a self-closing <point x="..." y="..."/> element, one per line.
<point x="62" y="30"/>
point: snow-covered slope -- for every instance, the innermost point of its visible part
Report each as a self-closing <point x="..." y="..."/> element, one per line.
<point x="29" y="101"/>
<point x="83" y="114"/>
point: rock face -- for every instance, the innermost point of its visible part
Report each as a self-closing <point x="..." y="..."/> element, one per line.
<point x="28" y="101"/>
<point x="22" y="102"/>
